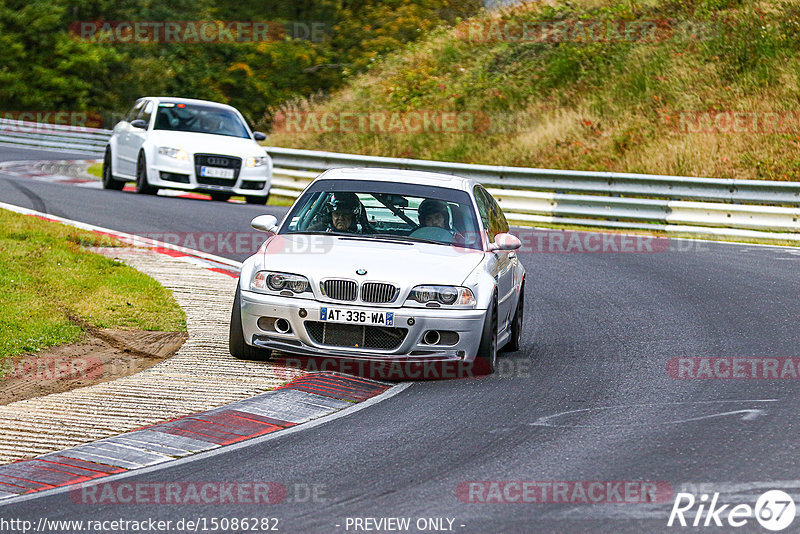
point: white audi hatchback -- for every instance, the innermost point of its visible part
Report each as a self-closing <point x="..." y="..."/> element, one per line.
<point x="181" y="143"/>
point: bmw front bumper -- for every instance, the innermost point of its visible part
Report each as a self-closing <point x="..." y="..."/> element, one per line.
<point x="468" y="324"/>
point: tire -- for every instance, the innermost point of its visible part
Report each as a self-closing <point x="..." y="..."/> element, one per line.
<point x="257" y="200"/>
<point x="515" y="342"/>
<point x="109" y="182"/>
<point x="143" y="187"/>
<point x="219" y="197"/>
<point x="236" y="343"/>
<point x="486" y="359"/>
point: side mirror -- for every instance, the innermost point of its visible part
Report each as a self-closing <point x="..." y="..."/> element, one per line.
<point x="505" y="242"/>
<point x="139" y="123"/>
<point x="259" y="136"/>
<point x="265" y="223"/>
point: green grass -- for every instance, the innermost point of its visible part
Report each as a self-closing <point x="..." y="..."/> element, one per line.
<point x="95" y="169"/>
<point x="46" y="275"/>
<point x="602" y="105"/>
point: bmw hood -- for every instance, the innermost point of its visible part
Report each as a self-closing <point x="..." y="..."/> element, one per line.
<point x="198" y="143"/>
<point x="405" y="264"/>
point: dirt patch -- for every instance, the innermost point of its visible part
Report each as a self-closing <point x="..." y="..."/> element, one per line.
<point x="104" y="355"/>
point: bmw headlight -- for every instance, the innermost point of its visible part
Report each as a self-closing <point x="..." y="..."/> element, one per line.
<point x="271" y="281"/>
<point x="447" y="295"/>
<point x="258" y="161"/>
<point x="176" y="153"/>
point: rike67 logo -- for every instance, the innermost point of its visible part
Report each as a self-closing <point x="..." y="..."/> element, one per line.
<point x="774" y="510"/>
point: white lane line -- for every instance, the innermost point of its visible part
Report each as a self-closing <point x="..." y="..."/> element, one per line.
<point x="750" y="414"/>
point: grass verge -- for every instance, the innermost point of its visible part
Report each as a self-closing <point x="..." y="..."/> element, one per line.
<point x="50" y="284"/>
<point x="586" y="101"/>
<point x="95" y="169"/>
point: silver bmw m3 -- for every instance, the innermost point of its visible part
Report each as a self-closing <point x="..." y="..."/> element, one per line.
<point x="383" y="264"/>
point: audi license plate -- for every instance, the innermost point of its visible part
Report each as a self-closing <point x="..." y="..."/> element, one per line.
<point x="366" y="317"/>
<point x="216" y="172"/>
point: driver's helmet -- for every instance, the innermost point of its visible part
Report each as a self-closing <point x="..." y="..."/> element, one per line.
<point x="430" y="206"/>
<point x="347" y="202"/>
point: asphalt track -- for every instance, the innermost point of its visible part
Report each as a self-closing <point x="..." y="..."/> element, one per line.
<point x="600" y="330"/>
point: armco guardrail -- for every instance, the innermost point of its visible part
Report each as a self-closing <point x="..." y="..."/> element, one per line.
<point x="740" y="208"/>
<point x="53" y="137"/>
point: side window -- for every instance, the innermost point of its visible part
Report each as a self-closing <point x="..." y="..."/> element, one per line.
<point x="146" y="112"/>
<point x="483" y="208"/>
<point x="497" y="223"/>
<point x="131" y="114"/>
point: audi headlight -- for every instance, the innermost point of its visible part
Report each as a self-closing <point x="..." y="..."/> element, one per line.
<point x="176" y="153"/>
<point x="266" y="280"/>
<point x="447" y="295"/>
<point x="258" y="161"/>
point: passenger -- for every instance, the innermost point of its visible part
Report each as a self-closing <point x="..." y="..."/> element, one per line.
<point x="433" y="213"/>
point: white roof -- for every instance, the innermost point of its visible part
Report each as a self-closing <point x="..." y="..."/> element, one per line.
<point x="399" y="175"/>
<point x="178" y="100"/>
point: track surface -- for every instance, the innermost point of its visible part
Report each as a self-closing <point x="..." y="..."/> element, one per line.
<point x="600" y="329"/>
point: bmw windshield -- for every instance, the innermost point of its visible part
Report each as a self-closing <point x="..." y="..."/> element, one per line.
<point x="388" y="210"/>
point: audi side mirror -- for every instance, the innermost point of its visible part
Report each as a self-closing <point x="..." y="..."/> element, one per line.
<point x="259" y="136"/>
<point x="139" y="123"/>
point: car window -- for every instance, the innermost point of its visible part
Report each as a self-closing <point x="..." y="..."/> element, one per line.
<point x="146" y="112"/>
<point x="491" y="214"/>
<point x="483" y="208"/>
<point x="181" y="117"/>
<point x="386" y="209"/>
<point x="131" y="114"/>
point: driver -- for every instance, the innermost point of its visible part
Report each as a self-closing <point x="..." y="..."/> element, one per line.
<point x="345" y="210"/>
<point x="210" y="123"/>
<point x="433" y="212"/>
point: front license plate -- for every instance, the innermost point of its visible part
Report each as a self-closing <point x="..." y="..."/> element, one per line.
<point x="366" y="317"/>
<point x="216" y="172"/>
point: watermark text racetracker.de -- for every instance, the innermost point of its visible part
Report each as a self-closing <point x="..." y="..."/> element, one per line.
<point x="51" y="368"/>
<point x="733" y="122"/>
<point x="734" y="368"/>
<point x="381" y="122"/>
<point x="584" y="31"/>
<point x="538" y="241"/>
<point x="233" y="243"/>
<point x="201" y="493"/>
<point x="45" y="121"/>
<point x="197" y="31"/>
<point x="564" y="492"/>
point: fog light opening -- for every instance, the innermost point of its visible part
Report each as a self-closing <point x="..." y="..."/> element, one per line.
<point x="431" y="337"/>
<point x="282" y="326"/>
